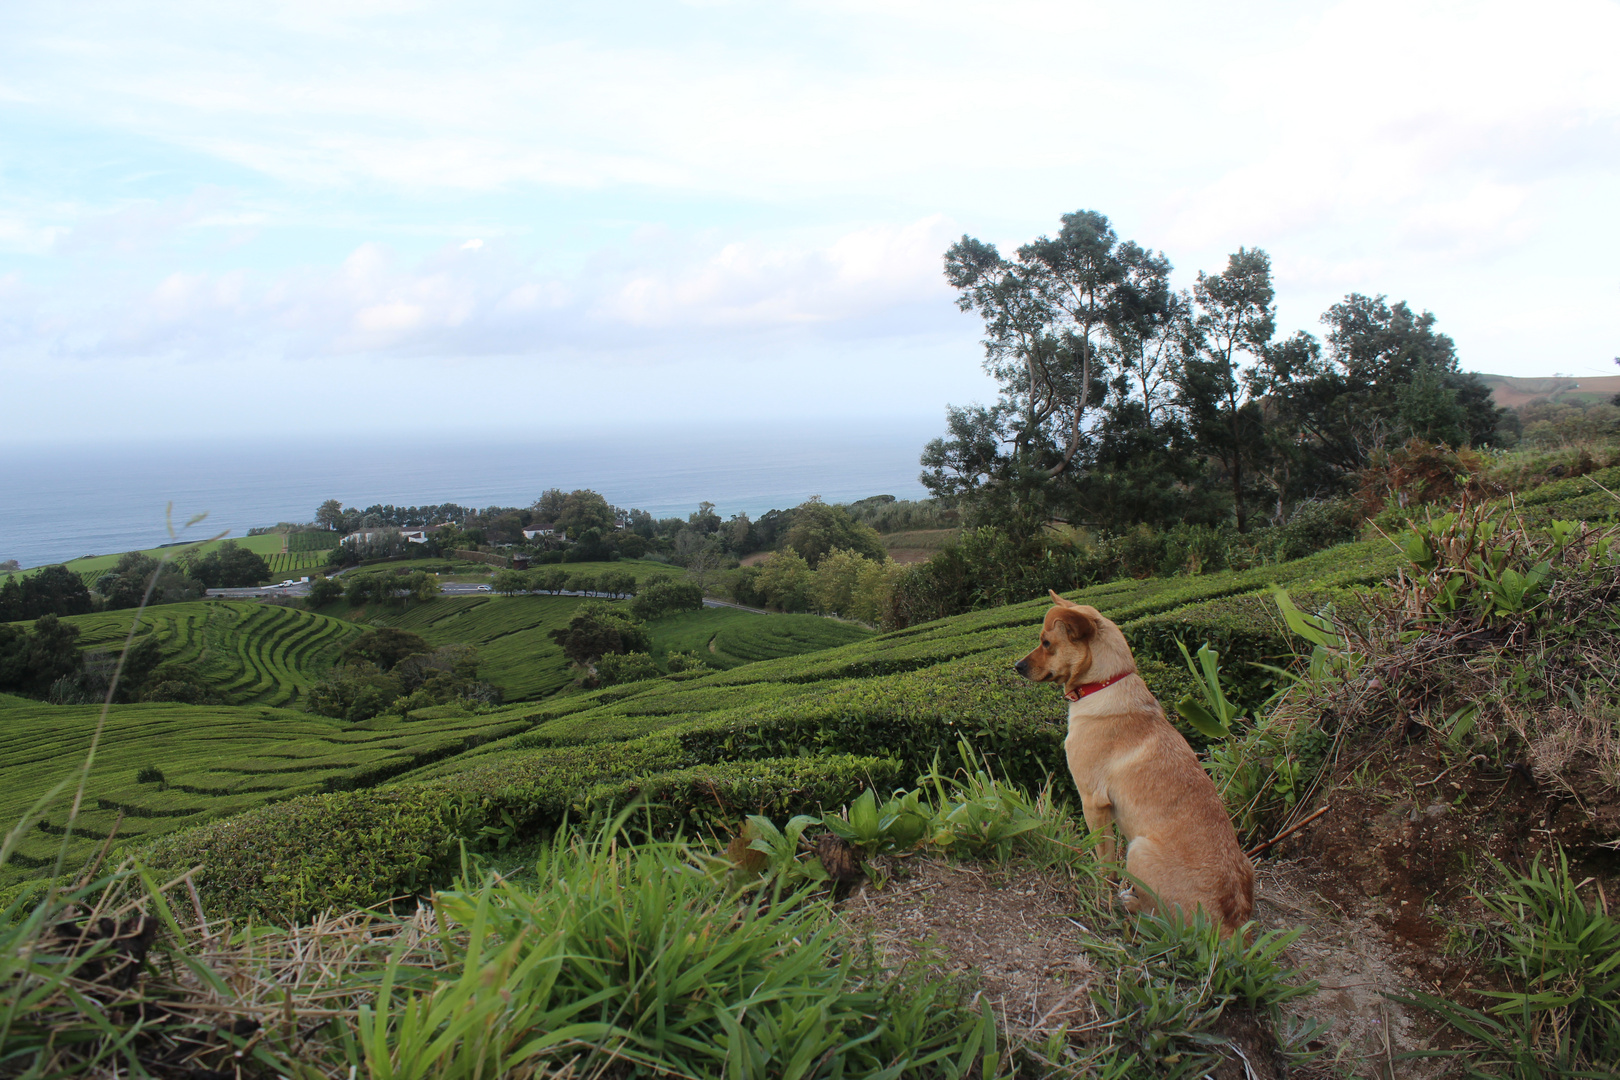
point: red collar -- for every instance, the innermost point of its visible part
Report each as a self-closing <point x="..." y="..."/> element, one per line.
<point x="1086" y="689"/>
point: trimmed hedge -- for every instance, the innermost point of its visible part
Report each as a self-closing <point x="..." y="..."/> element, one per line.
<point x="714" y="799"/>
<point x="349" y="849"/>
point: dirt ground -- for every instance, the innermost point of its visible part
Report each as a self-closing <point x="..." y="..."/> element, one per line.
<point x="1016" y="934"/>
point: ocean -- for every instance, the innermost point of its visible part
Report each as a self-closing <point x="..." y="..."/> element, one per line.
<point x="63" y="502"/>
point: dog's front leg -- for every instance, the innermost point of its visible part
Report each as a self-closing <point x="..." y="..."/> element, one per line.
<point x="1099" y="814"/>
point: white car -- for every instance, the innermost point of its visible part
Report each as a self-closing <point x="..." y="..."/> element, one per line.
<point x="289" y="583"/>
<point x="483" y="588"/>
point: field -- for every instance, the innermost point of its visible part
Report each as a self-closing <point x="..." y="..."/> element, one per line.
<point x="296" y="563"/>
<point x="94" y="566"/>
<point x="313" y="540"/>
<point x="1512" y="392"/>
<point x="219" y="760"/>
<point x="510" y="634"/>
<point x="728" y="637"/>
<point x="893" y="700"/>
<point x="918" y="545"/>
<point x="251" y="653"/>
<point x="215" y="761"/>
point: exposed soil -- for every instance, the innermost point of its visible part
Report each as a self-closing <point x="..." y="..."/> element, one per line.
<point x="1407" y="849"/>
<point x="1014" y="929"/>
<point x="1386" y="884"/>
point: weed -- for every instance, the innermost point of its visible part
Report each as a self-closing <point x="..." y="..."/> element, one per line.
<point x="1563" y="1019"/>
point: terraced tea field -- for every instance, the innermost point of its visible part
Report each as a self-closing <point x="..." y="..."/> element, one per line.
<point x="295" y="563"/>
<point x="214" y="760"/>
<point x="727" y="637"/>
<point x="510" y="633"/>
<point x="251" y="653"/>
<point x="313" y="540"/>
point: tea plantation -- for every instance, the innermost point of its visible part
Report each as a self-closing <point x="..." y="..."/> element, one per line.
<point x="249" y="653"/>
<point x="202" y="762"/>
<point x="776" y="736"/>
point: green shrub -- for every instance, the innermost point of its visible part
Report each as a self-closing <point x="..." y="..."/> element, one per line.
<point x="663" y="597"/>
<point x="615" y="668"/>
<point x="678" y="662"/>
<point x="714" y="799"/>
<point x="348" y="849"/>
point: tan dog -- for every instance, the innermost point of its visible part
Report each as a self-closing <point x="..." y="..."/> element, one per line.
<point x="1132" y="767"/>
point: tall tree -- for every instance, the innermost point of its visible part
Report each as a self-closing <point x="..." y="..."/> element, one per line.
<point x="1236" y="320"/>
<point x="329" y="515"/>
<point x="1054" y="318"/>
<point x="55" y="590"/>
<point x="1387" y="375"/>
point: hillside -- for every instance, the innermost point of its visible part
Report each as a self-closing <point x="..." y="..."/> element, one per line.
<point x="258" y="748"/>
<point x="1511" y="392"/>
<point x="1455" y="756"/>
<point x="249" y="653"/>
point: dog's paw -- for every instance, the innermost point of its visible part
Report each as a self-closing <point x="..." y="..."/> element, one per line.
<point x="1127" y="898"/>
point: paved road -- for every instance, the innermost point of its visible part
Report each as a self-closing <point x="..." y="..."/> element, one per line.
<point x="449" y="588"/>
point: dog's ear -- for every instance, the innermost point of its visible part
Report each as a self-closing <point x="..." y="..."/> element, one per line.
<point x="1080" y="623"/>
<point x="1060" y="601"/>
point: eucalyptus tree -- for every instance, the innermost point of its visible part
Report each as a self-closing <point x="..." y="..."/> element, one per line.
<point x="1222" y="381"/>
<point x="1386" y="375"/>
<point x="1058" y="319"/>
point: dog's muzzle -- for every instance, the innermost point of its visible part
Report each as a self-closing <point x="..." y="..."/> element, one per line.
<point x="1022" y="667"/>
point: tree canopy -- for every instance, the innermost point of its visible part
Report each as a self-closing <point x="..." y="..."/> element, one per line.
<point x="1121" y="401"/>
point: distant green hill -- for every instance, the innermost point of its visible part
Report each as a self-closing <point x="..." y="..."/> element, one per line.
<point x="1511" y="391"/>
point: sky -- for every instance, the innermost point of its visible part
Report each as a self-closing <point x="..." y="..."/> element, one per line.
<point x="311" y="219"/>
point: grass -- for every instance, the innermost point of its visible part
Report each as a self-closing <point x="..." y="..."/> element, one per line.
<point x="920" y="539"/>
<point x="608" y="953"/>
<point x="510" y="633"/>
<point x="641" y="568"/>
<point x="296" y="563"/>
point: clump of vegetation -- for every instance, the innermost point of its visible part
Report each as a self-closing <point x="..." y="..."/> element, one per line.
<point x="1562" y="1018"/>
<point x="389" y="670"/>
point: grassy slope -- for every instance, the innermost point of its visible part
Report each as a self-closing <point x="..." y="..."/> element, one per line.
<point x="726" y="637"/>
<point x="215" y="761"/>
<point x="225" y="759"/>
<point x="957" y="665"/>
<point x="754" y="737"/>
<point x="641" y="568"/>
<point x="266" y="545"/>
<point x="776" y="736"/>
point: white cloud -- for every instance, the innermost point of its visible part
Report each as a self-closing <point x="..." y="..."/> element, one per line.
<point x="669" y="294"/>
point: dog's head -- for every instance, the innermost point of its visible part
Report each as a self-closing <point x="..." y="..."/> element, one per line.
<point x="1078" y="645"/>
